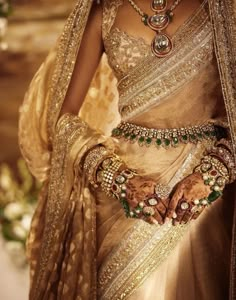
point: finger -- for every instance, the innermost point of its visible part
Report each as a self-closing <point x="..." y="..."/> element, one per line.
<point x="165" y="202"/>
<point x="186" y="217"/>
<point x="195" y="215"/>
<point x="161" y="208"/>
<point x="157" y="216"/>
<point x="150" y="220"/>
<point x="198" y="212"/>
<point x="181" y="210"/>
<point x="174" y="202"/>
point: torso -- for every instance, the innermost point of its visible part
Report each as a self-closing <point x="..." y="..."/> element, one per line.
<point x="185" y="87"/>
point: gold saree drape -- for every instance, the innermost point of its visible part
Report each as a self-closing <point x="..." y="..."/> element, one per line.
<point x="62" y="242"/>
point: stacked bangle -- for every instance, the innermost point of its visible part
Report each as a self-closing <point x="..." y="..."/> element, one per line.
<point x="214" y="174"/>
<point x="106" y="172"/>
<point x="226" y="144"/>
<point x="225" y="156"/>
<point x="92" y="161"/>
<point x="118" y="189"/>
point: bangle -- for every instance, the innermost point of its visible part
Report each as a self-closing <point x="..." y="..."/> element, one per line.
<point x="92" y="162"/>
<point x="106" y="173"/>
<point x="214" y="174"/>
<point x="118" y="190"/>
<point x="225" y="156"/>
<point x="226" y="143"/>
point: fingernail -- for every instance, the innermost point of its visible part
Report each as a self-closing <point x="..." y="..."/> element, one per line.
<point x="176" y="223"/>
<point x="167" y="219"/>
<point x="155" y="222"/>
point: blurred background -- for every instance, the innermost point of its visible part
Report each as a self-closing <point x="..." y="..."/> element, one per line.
<point x="28" y="29"/>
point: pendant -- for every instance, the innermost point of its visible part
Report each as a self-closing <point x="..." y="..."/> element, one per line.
<point x="158" y="22"/>
<point x="162" y="45"/>
<point x="159" y="5"/>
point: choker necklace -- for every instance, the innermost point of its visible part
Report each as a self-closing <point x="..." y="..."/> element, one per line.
<point x="162" y="44"/>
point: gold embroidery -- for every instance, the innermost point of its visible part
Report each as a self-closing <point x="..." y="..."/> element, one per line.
<point x="67" y="48"/>
<point x="124" y="51"/>
<point x="72" y="128"/>
<point x="194" y="25"/>
<point x="144" y="247"/>
<point x="224" y="30"/>
<point x="110" y="8"/>
<point x="151" y="82"/>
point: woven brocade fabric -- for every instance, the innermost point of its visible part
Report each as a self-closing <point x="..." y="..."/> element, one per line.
<point x="81" y="246"/>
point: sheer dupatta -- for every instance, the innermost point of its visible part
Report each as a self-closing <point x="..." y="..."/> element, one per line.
<point x="62" y="241"/>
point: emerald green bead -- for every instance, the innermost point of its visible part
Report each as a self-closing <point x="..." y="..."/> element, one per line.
<point x="125" y="205"/>
<point x="167" y="142"/>
<point x="185" y="137"/>
<point x="126" y="135"/>
<point x="192" y="137"/>
<point x="158" y="142"/>
<point x="207" y="133"/>
<point x="175" y="141"/>
<point x="141" y="139"/>
<point x="149" y="141"/>
<point x="199" y="135"/>
<point x="116" y="132"/>
<point x="145" y="19"/>
<point x="214" y="196"/>
<point x="213" y="133"/>
<point x="133" y="136"/>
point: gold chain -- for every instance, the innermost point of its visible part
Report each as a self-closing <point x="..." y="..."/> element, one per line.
<point x="142" y="14"/>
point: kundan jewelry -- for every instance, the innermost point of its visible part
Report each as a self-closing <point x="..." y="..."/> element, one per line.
<point x="162" y="44"/>
<point x="169" y="137"/>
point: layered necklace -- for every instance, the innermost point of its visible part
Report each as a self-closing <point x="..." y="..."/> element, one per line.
<point x="162" y="44"/>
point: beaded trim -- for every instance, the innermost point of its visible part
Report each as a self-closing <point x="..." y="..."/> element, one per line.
<point x="164" y="137"/>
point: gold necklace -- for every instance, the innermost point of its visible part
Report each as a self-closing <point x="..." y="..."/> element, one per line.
<point x="162" y="44"/>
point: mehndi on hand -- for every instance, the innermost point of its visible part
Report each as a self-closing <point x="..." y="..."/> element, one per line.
<point x="199" y="190"/>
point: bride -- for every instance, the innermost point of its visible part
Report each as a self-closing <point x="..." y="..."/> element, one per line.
<point x="130" y="126"/>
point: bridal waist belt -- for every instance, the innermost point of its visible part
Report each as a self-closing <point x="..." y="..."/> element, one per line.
<point x="171" y="137"/>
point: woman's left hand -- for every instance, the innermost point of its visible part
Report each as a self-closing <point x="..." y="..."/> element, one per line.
<point x="188" y="190"/>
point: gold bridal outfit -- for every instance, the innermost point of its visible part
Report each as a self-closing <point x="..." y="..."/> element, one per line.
<point x="81" y="245"/>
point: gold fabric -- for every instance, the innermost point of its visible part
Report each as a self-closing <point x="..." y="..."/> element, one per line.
<point x="81" y="246"/>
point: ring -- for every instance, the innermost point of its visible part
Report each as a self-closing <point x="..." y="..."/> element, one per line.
<point x="152" y="201"/>
<point x="184" y="205"/>
<point x="148" y="211"/>
<point x="162" y="191"/>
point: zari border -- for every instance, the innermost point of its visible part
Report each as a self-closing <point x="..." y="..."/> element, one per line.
<point x="63" y="142"/>
<point x="67" y="49"/>
<point x="154" y="75"/>
<point x="223" y="17"/>
<point x="143" y="248"/>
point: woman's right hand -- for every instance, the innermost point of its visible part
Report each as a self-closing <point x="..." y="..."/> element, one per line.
<point x="142" y="188"/>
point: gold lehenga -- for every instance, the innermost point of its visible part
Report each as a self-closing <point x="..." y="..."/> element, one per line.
<point x="81" y="246"/>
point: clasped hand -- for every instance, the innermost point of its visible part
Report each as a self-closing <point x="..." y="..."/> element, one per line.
<point x="179" y="206"/>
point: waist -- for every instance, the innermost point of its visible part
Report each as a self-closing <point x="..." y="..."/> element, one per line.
<point x="168" y="137"/>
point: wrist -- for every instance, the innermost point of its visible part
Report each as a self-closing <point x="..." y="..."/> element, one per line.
<point x="223" y="152"/>
<point x="215" y="175"/>
<point x="93" y="159"/>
